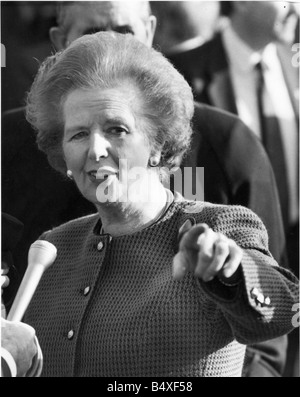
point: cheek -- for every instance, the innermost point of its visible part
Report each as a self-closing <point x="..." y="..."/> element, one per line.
<point x="73" y="156"/>
<point x="138" y="153"/>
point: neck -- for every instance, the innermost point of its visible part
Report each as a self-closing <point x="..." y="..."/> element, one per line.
<point x="251" y="36"/>
<point x="121" y="218"/>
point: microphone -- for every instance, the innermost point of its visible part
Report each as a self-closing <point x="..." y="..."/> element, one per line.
<point x="41" y="255"/>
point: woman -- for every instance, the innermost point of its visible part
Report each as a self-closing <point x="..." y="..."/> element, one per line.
<point x="152" y="285"/>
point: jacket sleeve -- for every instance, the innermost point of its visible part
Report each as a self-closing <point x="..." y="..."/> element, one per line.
<point x="262" y="305"/>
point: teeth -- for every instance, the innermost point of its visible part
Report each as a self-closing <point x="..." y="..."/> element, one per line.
<point x="104" y="174"/>
<point x="100" y="175"/>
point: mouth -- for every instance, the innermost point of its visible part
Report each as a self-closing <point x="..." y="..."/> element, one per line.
<point x="102" y="173"/>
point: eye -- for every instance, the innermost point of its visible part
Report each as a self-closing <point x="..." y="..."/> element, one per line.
<point x="79" y="135"/>
<point x="124" y="30"/>
<point x="119" y="131"/>
<point x="93" y="30"/>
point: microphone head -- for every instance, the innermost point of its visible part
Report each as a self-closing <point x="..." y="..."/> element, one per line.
<point x="41" y="252"/>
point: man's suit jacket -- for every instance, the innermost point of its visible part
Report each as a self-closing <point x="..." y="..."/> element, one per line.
<point x="206" y="69"/>
<point x="237" y="171"/>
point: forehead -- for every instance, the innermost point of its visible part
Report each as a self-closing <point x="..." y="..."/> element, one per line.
<point x="102" y="13"/>
<point x="83" y="105"/>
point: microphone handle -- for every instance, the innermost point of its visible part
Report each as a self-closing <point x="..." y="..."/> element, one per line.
<point x="25" y="292"/>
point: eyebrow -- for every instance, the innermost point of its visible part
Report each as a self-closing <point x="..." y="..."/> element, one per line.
<point x="119" y="29"/>
<point x="109" y="121"/>
<point x="116" y="120"/>
<point x="94" y="30"/>
<point x="76" y="128"/>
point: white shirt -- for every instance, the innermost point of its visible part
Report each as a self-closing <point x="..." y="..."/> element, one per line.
<point x="242" y="60"/>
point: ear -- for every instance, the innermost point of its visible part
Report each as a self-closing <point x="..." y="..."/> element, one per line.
<point x="150" y="29"/>
<point x="58" y="38"/>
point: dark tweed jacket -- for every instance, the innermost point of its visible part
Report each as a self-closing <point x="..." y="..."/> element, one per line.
<point x="114" y="309"/>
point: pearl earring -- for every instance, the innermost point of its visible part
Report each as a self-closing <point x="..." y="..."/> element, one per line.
<point x="70" y="174"/>
<point x="154" y="161"/>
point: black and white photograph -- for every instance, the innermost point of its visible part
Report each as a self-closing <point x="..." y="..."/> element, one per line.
<point x="150" y="191"/>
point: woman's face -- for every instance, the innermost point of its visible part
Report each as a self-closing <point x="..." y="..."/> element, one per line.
<point x="103" y="136"/>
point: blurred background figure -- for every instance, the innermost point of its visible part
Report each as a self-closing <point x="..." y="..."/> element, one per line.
<point x="75" y="19"/>
<point x="183" y="25"/>
<point x="25" y="35"/>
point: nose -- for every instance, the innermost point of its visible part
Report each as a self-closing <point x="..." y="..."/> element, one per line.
<point x="98" y="147"/>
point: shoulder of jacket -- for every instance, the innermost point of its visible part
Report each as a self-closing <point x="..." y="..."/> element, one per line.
<point x="202" y="211"/>
<point x="198" y="211"/>
<point x="74" y="225"/>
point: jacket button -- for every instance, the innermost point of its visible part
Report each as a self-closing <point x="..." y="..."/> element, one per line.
<point x="260" y="298"/>
<point x="70" y="334"/>
<point x="86" y="291"/>
<point x="100" y="246"/>
<point x="254" y="293"/>
<point x="267" y="301"/>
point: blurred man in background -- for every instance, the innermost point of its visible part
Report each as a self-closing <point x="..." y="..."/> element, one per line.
<point x="183" y="25"/>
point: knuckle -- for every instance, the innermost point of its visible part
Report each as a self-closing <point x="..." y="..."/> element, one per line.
<point x="205" y="256"/>
<point x="221" y="246"/>
<point x="204" y="225"/>
<point x="237" y="249"/>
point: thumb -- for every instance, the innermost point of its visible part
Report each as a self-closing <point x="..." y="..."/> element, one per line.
<point x="180" y="265"/>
